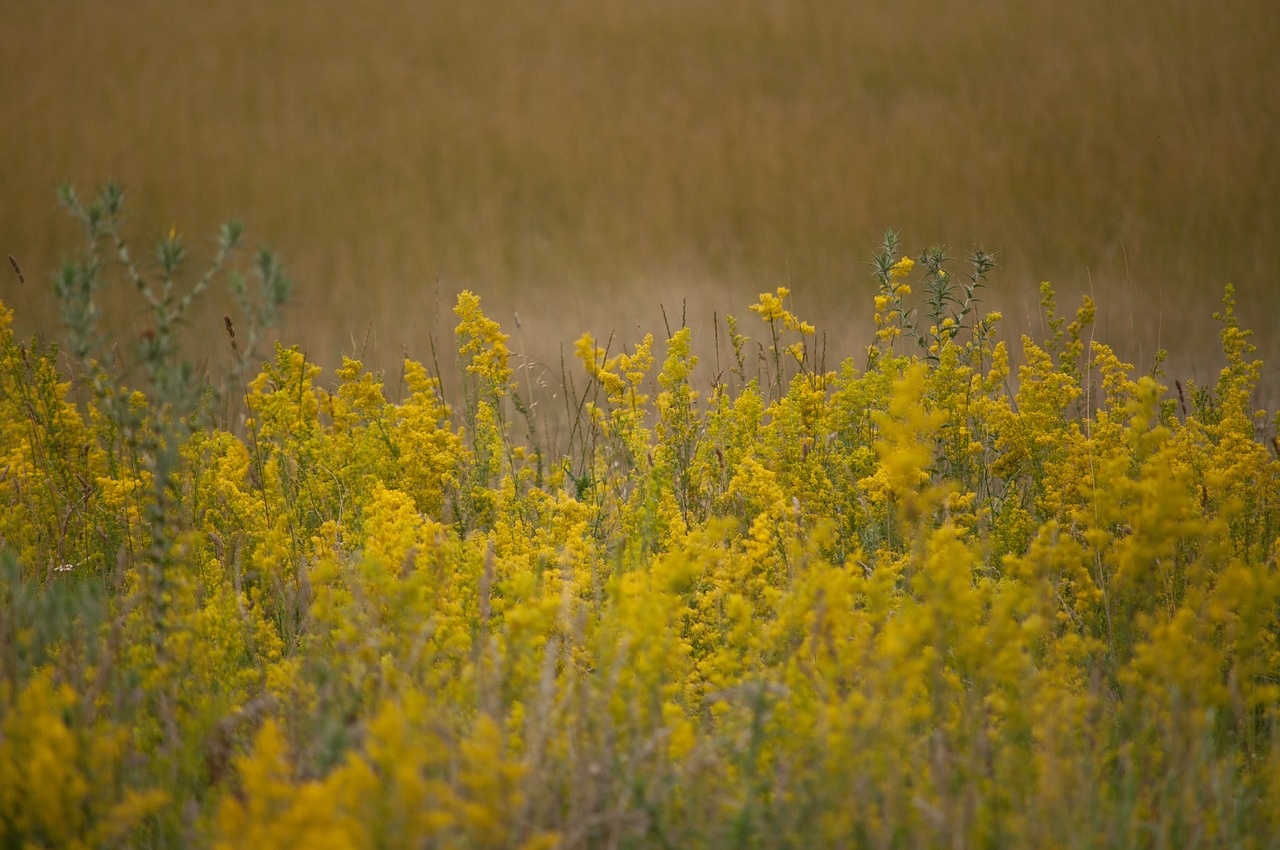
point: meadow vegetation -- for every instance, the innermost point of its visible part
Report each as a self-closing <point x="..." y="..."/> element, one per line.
<point x="914" y="598"/>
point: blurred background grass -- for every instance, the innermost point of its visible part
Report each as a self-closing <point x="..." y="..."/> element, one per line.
<point x="582" y="162"/>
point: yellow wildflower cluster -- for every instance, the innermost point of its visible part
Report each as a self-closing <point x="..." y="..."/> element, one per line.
<point x="924" y="602"/>
<point x="771" y="309"/>
<point x="481" y="343"/>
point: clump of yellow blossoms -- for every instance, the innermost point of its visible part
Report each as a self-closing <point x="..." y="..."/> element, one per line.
<point x="917" y="603"/>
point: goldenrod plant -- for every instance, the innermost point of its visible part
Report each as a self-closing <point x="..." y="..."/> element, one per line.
<point x="925" y="601"/>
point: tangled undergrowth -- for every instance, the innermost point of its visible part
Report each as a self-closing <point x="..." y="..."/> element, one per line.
<point x="920" y="600"/>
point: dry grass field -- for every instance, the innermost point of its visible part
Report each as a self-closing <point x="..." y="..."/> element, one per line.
<point x="581" y="162"/>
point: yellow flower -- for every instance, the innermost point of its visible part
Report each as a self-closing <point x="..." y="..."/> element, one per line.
<point x="770" y="306"/>
<point x="481" y="340"/>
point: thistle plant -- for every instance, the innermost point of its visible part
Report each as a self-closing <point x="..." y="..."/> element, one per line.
<point x="949" y="303"/>
<point x="146" y="427"/>
<point x="167" y="297"/>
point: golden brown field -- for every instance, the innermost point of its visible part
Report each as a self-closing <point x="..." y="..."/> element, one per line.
<point x="580" y="162"/>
